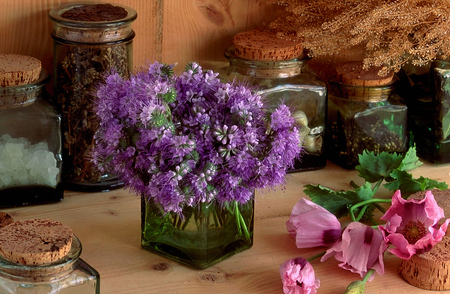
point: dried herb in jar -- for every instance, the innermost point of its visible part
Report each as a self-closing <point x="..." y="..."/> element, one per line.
<point x="91" y="41"/>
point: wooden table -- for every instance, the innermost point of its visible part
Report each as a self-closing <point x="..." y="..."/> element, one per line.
<point x="108" y="225"/>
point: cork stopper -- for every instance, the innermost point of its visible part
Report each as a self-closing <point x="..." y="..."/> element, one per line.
<point x="35" y="242"/>
<point x="352" y="73"/>
<point x="429" y="270"/>
<point x="264" y="45"/>
<point x="18" y="70"/>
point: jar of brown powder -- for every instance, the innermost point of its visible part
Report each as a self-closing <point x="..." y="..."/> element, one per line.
<point x="90" y="41"/>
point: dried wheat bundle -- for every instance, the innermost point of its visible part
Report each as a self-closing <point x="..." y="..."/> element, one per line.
<point x="393" y="32"/>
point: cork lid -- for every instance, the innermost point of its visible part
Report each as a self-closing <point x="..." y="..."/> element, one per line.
<point x="18" y="70"/>
<point x="35" y="242"/>
<point x="264" y="45"/>
<point x="5" y="219"/>
<point x="353" y="73"/>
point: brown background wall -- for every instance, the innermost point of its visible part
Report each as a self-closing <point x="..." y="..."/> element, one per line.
<point x="170" y="31"/>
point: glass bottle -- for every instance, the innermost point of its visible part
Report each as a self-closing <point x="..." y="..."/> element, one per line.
<point x="427" y="89"/>
<point x="68" y="275"/>
<point x="291" y="82"/>
<point x="84" y="52"/>
<point x="30" y="145"/>
<point x="371" y="118"/>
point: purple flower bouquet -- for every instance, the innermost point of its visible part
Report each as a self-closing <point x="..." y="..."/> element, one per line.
<point x="195" y="149"/>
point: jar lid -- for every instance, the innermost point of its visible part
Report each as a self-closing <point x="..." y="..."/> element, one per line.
<point x="264" y="45"/>
<point x="353" y="73"/>
<point x="18" y="70"/>
<point x="92" y="22"/>
<point x="35" y="242"/>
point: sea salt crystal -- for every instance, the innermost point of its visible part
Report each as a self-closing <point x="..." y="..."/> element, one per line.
<point x="23" y="163"/>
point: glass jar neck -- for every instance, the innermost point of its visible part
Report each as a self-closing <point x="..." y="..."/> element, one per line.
<point x="363" y="93"/>
<point x="266" y="69"/>
<point x="19" y="96"/>
<point x="41" y="273"/>
<point x="91" y="32"/>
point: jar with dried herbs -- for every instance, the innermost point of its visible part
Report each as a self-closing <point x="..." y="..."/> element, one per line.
<point x="278" y="69"/>
<point x="30" y="135"/>
<point x="365" y="112"/>
<point x="90" y="41"/>
<point x="427" y="93"/>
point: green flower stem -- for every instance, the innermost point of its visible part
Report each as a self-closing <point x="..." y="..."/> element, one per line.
<point x="240" y="221"/>
<point x="367" y="276"/>
<point x="316" y="256"/>
<point x="365" y="204"/>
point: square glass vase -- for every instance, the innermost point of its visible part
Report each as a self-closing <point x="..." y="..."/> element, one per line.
<point x="202" y="236"/>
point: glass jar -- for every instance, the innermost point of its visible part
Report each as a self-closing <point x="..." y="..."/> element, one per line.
<point x="84" y="52"/>
<point x="371" y="118"/>
<point x="68" y="275"/>
<point x="202" y="236"/>
<point x="30" y="145"/>
<point x="427" y="89"/>
<point x="291" y="82"/>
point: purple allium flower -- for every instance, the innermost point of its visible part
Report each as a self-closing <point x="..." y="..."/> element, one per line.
<point x="298" y="277"/>
<point x="186" y="139"/>
<point x="412" y="225"/>
<point x="361" y="248"/>
<point x="312" y="225"/>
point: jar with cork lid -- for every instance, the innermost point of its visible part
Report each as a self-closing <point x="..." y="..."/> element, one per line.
<point x="365" y="112"/>
<point x="30" y="135"/>
<point x="91" y="40"/>
<point x="43" y="256"/>
<point x="278" y="69"/>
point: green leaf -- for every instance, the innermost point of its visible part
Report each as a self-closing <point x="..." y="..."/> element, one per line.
<point x="338" y="202"/>
<point x="407" y="184"/>
<point x="446" y="125"/>
<point x="374" y="167"/>
<point x="410" y="161"/>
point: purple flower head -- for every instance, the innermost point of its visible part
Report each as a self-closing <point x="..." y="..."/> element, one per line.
<point x="186" y="139"/>
<point x="412" y="225"/>
<point x="312" y="225"/>
<point x="298" y="277"/>
<point x="360" y="249"/>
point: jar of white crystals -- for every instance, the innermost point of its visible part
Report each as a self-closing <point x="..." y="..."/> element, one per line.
<point x="30" y="135"/>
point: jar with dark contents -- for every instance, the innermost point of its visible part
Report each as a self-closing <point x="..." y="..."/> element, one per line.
<point x="279" y="71"/>
<point x="427" y="94"/>
<point x="30" y="135"/>
<point x="365" y="112"/>
<point x="91" y="40"/>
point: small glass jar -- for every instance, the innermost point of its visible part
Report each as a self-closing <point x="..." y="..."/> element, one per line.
<point x="68" y="275"/>
<point x="291" y="82"/>
<point x="371" y="118"/>
<point x="84" y="52"/>
<point x="428" y="91"/>
<point x="30" y="145"/>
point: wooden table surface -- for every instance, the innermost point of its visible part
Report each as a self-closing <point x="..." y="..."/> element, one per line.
<point x="108" y="225"/>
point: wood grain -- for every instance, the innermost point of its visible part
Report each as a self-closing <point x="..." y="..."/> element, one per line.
<point x="170" y="31"/>
<point x="108" y="225"/>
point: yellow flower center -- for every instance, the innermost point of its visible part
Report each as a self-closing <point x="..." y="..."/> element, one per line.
<point x="413" y="231"/>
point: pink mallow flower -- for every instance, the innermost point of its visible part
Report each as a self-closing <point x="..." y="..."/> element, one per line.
<point x="412" y="225"/>
<point x="298" y="277"/>
<point x="312" y="225"/>
<point x="361" y="248"/>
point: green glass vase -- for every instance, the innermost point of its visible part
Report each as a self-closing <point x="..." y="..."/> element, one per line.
<point x="202" y="236"/>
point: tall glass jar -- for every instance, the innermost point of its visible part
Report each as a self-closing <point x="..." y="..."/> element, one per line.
<point x="68" y="275"/>
<point x="371" y="118"/>
<point x="30" y="145"/>
<point x="427" y="89"/>
<point x="90" y="40"/>
<point x="291" y="82"/>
